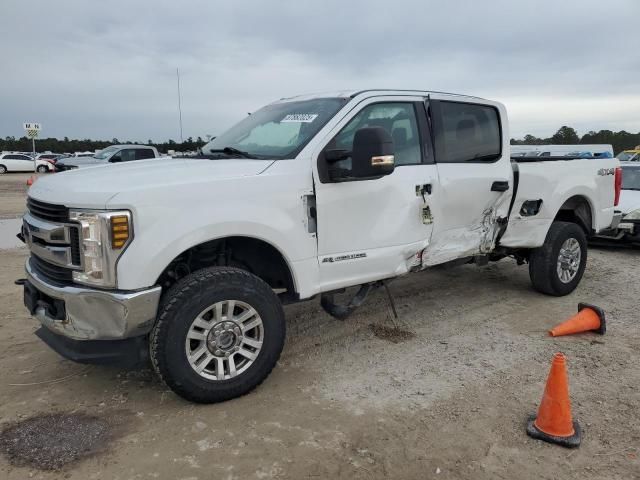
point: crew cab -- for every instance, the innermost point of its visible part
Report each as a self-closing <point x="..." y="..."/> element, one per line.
<point x="111" y="154"/>
<point x="305" y="197"/>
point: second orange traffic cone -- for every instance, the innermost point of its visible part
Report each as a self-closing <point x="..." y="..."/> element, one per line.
<point x="588" y="319"/>
<point x="554" y="423"/>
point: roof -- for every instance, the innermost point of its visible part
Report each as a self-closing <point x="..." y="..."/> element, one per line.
<point x="131" y="145"/>
<point x="373" y="92"/>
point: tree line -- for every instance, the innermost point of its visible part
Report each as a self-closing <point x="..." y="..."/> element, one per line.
<point x="620" y="141"/>
<point x="66" y="145"/>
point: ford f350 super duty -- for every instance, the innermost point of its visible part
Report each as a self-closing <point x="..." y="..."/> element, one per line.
<point x="191" y="262"/>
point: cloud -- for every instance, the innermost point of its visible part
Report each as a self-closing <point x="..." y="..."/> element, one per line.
<point x="107" y="69"/>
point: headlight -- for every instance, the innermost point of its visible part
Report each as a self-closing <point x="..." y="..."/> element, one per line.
<point x="103" y="238"/>
<point x="633" y="215"/>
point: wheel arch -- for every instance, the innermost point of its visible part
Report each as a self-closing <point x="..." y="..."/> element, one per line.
<point x="577" y="209"/>
<point x="252" y="254"/>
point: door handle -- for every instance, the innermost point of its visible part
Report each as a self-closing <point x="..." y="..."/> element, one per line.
<point x="422" y="189"/>
<point x="500" y="186"/>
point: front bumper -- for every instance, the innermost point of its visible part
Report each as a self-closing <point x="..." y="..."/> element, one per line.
<point x="80" y="313"/>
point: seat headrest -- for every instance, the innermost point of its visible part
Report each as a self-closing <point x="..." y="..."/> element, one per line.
<point x="399" y="137"/>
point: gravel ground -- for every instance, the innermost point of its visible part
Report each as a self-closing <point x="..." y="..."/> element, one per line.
<point x="444" y="392"/>
<point x="13" y="187"/>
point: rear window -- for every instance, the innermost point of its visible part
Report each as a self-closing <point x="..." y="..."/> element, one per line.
<point x="467" y="132"/>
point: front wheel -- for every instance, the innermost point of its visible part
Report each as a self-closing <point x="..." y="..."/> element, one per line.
<point x="220" y="332"/>
<point x="42" y="169"/>
<point x="3" y="169"/>
<point x="556" y="267"/>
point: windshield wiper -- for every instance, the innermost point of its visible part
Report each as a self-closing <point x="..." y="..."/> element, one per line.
<point x="232" y="151"/>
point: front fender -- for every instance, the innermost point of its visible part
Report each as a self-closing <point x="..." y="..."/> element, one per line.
<point x="170" y="221"/>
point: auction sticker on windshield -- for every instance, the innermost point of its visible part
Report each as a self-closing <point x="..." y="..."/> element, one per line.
<point x="300" y="117"/>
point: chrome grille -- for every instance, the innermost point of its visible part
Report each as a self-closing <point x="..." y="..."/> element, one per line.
<point x="51" y="271"/>
<point x="48" y="211"/>
<point x="54" y="242"/>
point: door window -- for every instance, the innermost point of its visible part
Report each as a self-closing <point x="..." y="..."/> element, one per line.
<point x="126" y="155"/>
<point x="467" y="132"/>
<point x="399" y="119"/>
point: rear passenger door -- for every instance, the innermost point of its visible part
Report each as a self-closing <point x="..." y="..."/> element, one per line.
<point x="475" y="178"/>
<point x="19" y="163"/>
<point x="144" y="153"/>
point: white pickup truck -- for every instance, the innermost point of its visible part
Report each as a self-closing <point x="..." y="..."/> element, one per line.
<point x="190" y="264"/>
<point x="111" y="154"/>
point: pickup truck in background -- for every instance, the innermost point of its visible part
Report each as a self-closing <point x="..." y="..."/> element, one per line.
<point x="305" y="197"/>
<point x="584" y="150"/>
<point x="628" y="230"/>
<point x="111" y="154"/>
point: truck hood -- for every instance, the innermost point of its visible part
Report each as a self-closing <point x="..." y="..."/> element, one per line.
<point x="629" y="201"/>
<point x="93" y="187"/>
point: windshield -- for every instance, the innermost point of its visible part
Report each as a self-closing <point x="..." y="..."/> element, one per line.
<point x="106" y="153"/>
<point x="277" y="131"/>
<point x="630" y="178"/>
<point x="625" y="156"/>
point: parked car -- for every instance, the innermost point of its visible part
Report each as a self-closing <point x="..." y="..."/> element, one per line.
<point x="112" y="154"/>
<point x="50" y="157"/>
<point x="191" y="263"/>
<point x="629" y="155"/>
<point x="628" y="230"/>
<point x="17" y="162"/>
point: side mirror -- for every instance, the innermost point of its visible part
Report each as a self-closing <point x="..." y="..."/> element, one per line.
<point x="372" y="154"/>
<point x="115" y="158"/>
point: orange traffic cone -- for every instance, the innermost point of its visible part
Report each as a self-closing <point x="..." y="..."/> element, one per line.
<point x="588" y="319"/>
<point x="553" y="423"/>
<point x="31" y="179"/>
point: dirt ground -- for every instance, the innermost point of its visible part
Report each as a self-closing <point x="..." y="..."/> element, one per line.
<point x="348" y="400"/>
<point x="13" y="187"/>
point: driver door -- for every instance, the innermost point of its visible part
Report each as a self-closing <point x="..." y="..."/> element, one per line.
<point x="371" y="229"/>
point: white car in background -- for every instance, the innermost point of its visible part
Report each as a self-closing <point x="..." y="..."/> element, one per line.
<point x="17" y="162"/>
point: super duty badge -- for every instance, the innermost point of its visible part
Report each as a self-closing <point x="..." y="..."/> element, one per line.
<point x="340" y="258"/>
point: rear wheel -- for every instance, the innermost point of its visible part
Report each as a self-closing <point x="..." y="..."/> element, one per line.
<point x="42" y="169"/>
<point x="3" y="169"/>
<point x="556" y="268"/>
<point x="220" y="332"/>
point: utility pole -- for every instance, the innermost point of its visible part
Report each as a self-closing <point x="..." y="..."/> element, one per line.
<point x="179" y="105"/>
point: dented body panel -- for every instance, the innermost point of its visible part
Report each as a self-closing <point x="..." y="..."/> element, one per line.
<point x="555" y="183"/>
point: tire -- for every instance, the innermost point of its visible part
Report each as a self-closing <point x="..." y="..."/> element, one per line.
<point x="190" y="307"/>
<point x="544" y="261"/>
<point x="42" y="169"/>
<point x="3" y="169"/>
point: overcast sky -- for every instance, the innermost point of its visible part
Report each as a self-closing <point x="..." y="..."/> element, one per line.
<point x="103" y="69"/>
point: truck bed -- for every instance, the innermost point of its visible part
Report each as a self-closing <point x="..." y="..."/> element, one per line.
<point x="556" y="182"/>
